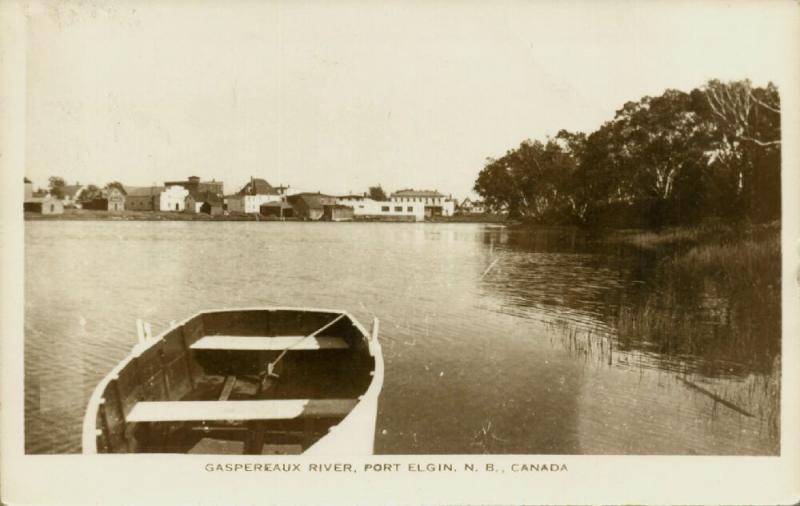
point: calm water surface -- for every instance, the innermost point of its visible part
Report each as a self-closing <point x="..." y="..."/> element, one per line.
<point x="491" y="344"/>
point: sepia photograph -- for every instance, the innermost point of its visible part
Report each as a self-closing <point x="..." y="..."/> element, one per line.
<point x="302" y="230"/>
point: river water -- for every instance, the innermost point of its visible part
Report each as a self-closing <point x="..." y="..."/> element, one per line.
<point x="492" y="344"/>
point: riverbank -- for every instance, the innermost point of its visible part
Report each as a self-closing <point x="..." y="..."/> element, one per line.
<point x="91" y="215"/>
<point x="127" y="215"/>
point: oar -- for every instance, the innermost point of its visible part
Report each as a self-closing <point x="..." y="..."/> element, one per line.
<point x="271" y="365"/>
<point x="716" y="397"/>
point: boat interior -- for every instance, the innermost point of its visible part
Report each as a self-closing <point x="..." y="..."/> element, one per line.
<point x="237" y="382"/>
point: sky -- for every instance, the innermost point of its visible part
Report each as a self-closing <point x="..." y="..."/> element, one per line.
<point x="336" y="98"/>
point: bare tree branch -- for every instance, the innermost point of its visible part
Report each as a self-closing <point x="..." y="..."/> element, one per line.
<point x="776" y="110"/>
<point x="760" y="142"/>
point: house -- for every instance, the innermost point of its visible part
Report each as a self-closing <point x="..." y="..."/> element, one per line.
<point x="143" y="198"/>
<point x="436" y="204"/>
<point x="113" y="199"/>
<point x="367" y="208"/>
<point x="310" y="206"/>
<point x="252" y="195"/>
<point x="277" y="209"/>
<point x="470" y="207"/>
<point x="173" y="198"/>
<point x="208" y="203"/>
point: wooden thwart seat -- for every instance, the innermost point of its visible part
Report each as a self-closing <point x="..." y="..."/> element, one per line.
<point x="280" y="409"/>
<point x="269" y="343"/>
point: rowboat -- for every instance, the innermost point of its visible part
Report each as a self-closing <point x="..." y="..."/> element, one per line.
<point x="243" y="381"/>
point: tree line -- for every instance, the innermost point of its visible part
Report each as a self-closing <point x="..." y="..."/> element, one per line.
<point x="674" y="159"/>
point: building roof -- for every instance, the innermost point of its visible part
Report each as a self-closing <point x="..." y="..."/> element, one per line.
<point x="40" y="199"/>
<point x="194" y="182"/>
<point x="215" y="186"/>
<point x="191" y="181"/>
<point x="312" y="194"/>
<point x="70" y="190"/>
<point x="107" y="191"/>
<point x="28" y="181"/>
<point x="143" y="191"/>
<point x="258" y="186"/>
<point x="312" y="200"/>
<point x="417" y="193"/>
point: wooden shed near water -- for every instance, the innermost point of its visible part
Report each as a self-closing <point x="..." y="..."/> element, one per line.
<point x="43" y="205"/>
<point x="337" y="213"/>
<point x="310" y="206"/>
<point x="277" y="210"/>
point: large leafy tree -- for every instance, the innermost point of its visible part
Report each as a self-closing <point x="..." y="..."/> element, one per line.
<point x="654" y="142"/>
<point x="668" y="159"/>
<point x="535" y="180"/>
<point x="56" y="185"/>
<point x="90" y="193"/>
<point x="377" y="193"/>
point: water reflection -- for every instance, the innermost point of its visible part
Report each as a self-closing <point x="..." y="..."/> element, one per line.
<point x="614" y="305"/>
<point x="614" y="289"/>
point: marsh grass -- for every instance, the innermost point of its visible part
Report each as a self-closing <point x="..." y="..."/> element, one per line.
<point x="716" y="298"/>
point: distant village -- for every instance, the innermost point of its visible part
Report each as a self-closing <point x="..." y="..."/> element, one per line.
<point x="257" y="198"/>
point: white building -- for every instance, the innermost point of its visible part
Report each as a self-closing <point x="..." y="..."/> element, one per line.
<point x="367" y="208"/>
<point x="173" y="198"/>
<point x="470" y="207"/>
<point x="435" y="203"/>
<point x="253" y="194"/>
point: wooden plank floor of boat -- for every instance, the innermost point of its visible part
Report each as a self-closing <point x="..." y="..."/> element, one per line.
<point x="212" y="446"/>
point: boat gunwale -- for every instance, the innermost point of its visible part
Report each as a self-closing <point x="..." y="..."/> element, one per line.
<point x="89" y="427"/>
